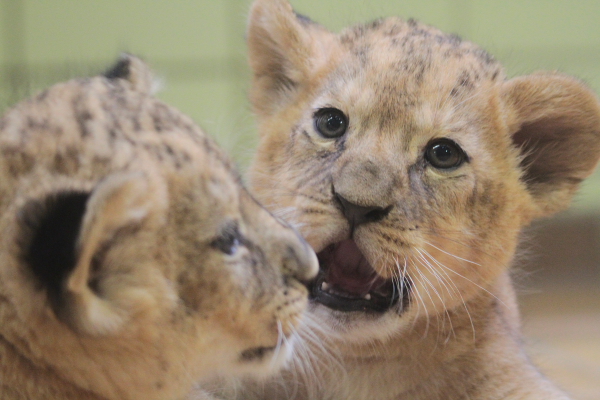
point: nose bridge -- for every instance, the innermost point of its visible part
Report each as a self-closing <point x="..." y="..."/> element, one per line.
<point x="365" y="178"/>
<point x="297" y="258"/>
<point x="279" y="245"/>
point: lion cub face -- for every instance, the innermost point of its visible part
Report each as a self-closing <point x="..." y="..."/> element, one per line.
<point x="408" y="161"/>
<point x="132" y="261"/>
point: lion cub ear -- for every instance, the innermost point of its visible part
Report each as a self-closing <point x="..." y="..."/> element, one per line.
<point x="133" y="70"/>
<point x="70" y="233"/>
<point x="555" y="122"/>
<point x="284" y="50"/>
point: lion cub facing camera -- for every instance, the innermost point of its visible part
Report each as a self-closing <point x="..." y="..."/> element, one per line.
<point x="410" y="163"/>
<point x="133" y="263"/>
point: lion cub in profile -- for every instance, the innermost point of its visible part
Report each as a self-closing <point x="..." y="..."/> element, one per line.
<point x="410" y="163"/>
<point x="133" y="263"/>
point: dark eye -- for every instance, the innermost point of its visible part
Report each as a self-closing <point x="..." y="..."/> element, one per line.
<point x="444" y="154"/>
<point x="330" y="122"/>
<point x="228" y="242"/>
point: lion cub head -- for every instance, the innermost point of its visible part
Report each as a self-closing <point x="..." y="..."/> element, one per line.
<point x="132" y="261"/>
<point x="408" y="160"/>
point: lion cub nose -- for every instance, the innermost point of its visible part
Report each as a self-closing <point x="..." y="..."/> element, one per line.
<point x="299" y="259"/>
<point x="358" y="214"/>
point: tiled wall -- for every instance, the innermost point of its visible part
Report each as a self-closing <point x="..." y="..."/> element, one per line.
<point x="197" y="46"/>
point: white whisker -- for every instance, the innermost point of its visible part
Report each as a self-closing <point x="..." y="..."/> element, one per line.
<point x="280" y="338"/>
<point x="452" y="255"/>
<point x="440" y="279"/>
<point x="469" y="280"/>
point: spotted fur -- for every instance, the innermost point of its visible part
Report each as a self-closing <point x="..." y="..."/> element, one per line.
<point x="133" y="264"/>
<point x="446" y="237"/>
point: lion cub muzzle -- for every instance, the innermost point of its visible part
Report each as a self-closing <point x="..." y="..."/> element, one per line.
<point x="347" y="281"/>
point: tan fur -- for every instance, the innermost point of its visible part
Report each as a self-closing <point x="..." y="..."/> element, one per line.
<point x="160" y="291"/>
<point x="451" y="234"/>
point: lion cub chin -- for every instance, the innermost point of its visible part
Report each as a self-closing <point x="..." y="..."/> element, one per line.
<point x="410" y="163"/>
<point x="133" y="264"/>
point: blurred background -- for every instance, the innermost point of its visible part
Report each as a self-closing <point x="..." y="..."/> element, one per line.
<point x="197" y="48"/>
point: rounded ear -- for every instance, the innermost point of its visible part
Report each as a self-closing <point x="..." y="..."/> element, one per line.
<point x="284" y="48"/>
<point x="555" y="122"/>
<point x="133" y="70"/>
<point x="72" y="229"/>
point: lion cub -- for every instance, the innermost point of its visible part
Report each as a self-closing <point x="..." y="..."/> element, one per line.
<point x="133" y="263"/>
<point x="410" y="163"/>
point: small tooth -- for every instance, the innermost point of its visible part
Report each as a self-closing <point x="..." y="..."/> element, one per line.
<point x="367" y="296"/>
<point x="324" y="286"/>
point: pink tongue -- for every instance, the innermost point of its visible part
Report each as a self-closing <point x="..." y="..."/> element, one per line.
<point x="349" y="270"/>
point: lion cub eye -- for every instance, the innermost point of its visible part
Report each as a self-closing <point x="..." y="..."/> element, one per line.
<point x="444" y="154"/>
<point x="228" y="241"/>
<point x="330" y="122"/>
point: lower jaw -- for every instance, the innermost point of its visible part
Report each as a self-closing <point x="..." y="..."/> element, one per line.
<point x="356" y="305"/>
<point x="377" y="305"/>
<point x="350" y="332"/>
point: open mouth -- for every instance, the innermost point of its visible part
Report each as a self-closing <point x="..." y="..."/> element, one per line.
<point x="347" y="282"/>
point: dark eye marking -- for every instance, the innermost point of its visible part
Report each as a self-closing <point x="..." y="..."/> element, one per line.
<point x="229" y="239"/>
<point x="445" y="154"/>
<point x="330" y="122"/>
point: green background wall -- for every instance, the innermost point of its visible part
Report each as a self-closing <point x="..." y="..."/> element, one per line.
<point x="197" y="47"/>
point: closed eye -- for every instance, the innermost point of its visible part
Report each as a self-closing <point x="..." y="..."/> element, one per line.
<point x="229" y="239"/>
